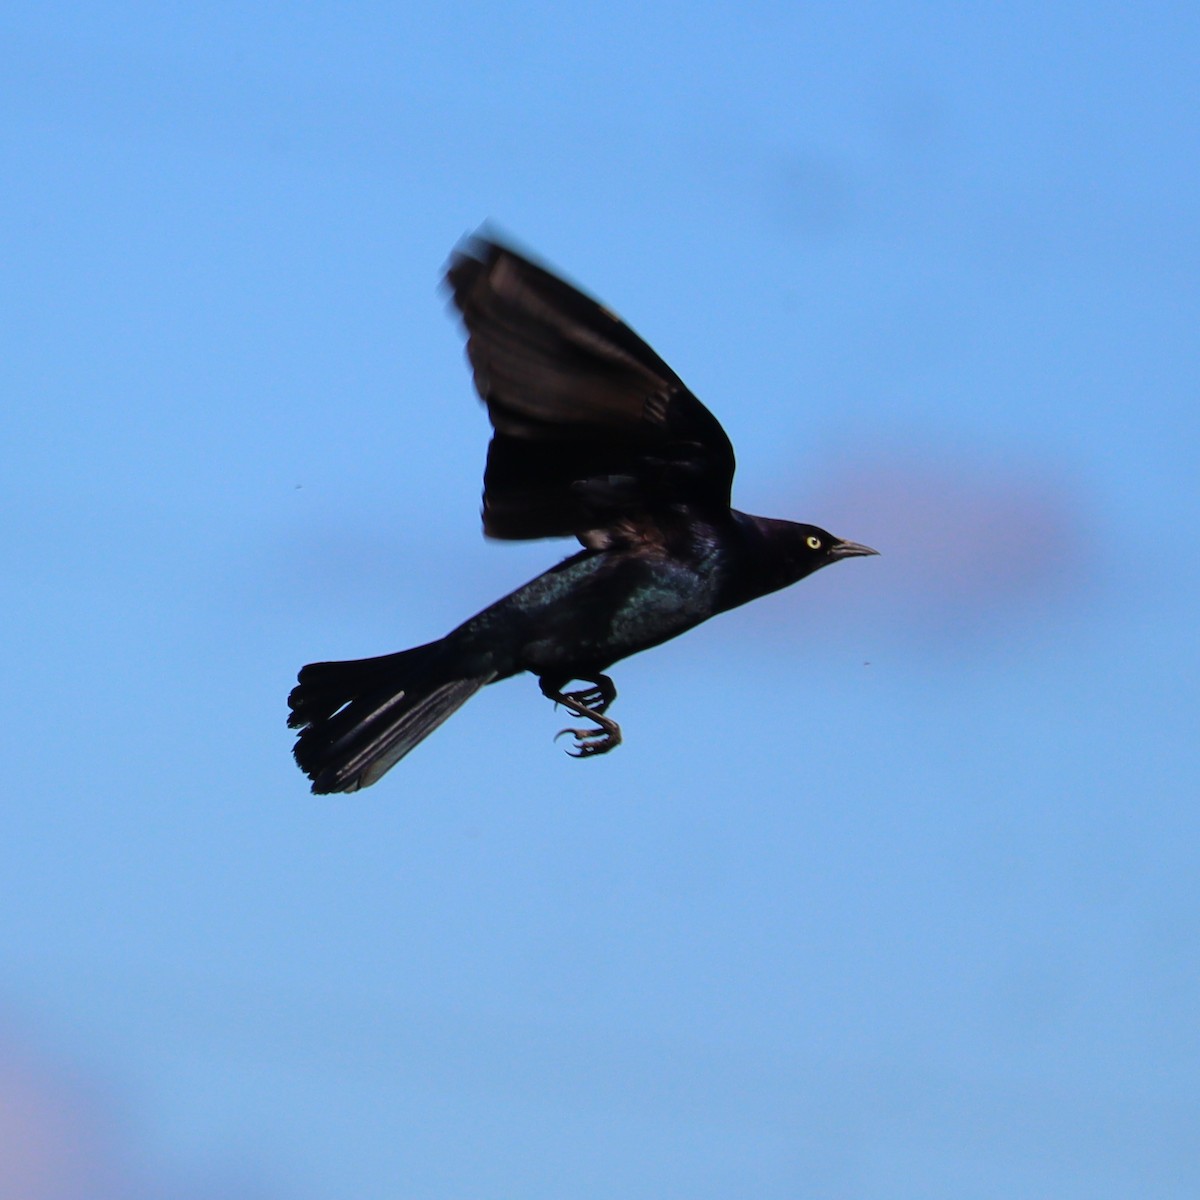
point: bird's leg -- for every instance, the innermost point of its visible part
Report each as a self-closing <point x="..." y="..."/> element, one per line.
<point x="590" y="704"/>
<point x="598" y="697"/>
<point x="595" y="699"/>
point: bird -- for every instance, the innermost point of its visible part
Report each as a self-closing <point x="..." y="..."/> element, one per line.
<point x="593" y="437"/>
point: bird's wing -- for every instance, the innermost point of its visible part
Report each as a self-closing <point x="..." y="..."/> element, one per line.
<point x="591" y="427"/>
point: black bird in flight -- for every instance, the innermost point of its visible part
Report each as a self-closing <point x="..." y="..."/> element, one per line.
<point x="594" y="437"/>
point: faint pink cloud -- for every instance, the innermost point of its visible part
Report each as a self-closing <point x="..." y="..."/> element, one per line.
<point x="61" y="1138"/>
<point x="49" y="1143"/>
<point x="966" y="547"/>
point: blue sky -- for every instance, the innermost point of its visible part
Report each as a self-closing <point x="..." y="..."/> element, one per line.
<point x="891" y="891"/>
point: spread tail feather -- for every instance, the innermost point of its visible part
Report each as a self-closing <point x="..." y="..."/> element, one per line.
<point x="358" y="719"/>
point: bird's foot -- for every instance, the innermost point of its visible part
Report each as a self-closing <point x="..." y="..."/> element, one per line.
<point x="588" y="703"/>
<point x="590" y="742"/>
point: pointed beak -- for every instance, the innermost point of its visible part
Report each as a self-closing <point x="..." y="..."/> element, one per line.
<point x="850" y="550"/>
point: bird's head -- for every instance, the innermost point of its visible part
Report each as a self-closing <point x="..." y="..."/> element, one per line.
<point x="796" y="550"/>
<point x="819" y="547"/>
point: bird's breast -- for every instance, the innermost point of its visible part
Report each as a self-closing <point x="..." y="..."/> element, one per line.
<point x="602" y="608"/>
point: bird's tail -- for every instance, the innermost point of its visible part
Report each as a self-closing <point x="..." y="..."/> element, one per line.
<point x="358" y="719"/>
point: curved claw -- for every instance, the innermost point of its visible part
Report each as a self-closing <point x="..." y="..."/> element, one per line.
<point x="589" y="742"/>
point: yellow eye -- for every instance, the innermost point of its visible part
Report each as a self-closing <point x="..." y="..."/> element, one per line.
<point x="814" y="542"/>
